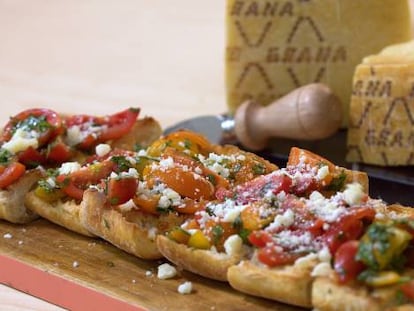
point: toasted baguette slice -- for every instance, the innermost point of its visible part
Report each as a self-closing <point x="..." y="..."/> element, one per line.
<point x="328" y="295"/>
<point x="12" y="204"/>
<point x="128" y="229"/>
<point x="142" y="134"/>
<point x="62" y="213"/>
<point x="290" y="284"/>
<point x="297" y="156"/>
<point x="206" y="263"/>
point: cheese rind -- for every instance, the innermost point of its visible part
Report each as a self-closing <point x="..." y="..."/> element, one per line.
<point x="381" y="130"/>
<point x="276" y="46"/>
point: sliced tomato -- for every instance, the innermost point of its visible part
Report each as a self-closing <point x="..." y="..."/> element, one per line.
<point x="273" y="256"/>
<point x="345" y="264"/>
<point x="113" y="126"/>
<point x="74" y="184"/>
<point x="47" y="123"/>
<point x="58" y="153"/>
<point x="408" y="290"/>
<point x="31" y="157"/>
<point x="348" y="227"/>
<point x="190" y="206"/>
<point x="11" y="173"/>
<point x="257" y="188"/>
<point x="259" y="238"/>
<point x="121" y="190"/>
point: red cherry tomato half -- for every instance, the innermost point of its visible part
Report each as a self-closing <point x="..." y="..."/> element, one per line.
<point x="348" y="227"/>
<point x="259" y="238"/>
<point x="31" y="157"/>
<point x="254" y="190"/>
<point x="121" y="190"/>
<point x="345" y="264"/>
<point x="272" y="256"/>
<point x="408" y="290"/>
<point x="74" y="184"/>
<point x="11" y="173"/>
<point x="47" y="123"/>
<point x="58" y="153"/>
<point x="113" y="126"/>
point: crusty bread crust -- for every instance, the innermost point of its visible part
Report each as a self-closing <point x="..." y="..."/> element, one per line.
<point x="143" y="133"/>
<point x="288" y="284"/>
<point x="328" y="295"/>
<point x="206" y="263"/>
<point x="12" y="205"/>
<point x="63" y="213"/>
<point x="128" y="229"/>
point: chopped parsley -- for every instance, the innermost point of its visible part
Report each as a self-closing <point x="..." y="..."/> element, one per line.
<point x="217" y="232"/>
<point x="5" y="156"/>
<point x="337" y="182"/>
<point x="33" y="123"/>
<point x="122" y="163"/>
<point x="259" y="169"/>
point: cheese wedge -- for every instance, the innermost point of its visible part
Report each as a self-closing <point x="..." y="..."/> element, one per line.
<point x="381" y="120"/>
<point x="276" y="46"/>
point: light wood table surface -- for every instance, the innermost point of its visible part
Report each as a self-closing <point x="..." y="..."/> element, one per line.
<point x="95" y="56"/>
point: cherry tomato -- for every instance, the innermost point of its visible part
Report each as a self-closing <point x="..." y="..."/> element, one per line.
<point x="113" y="126"/>
<point x="58" y="153"/>
<point x="183" y="159"/>
<point x="147" y="204"/>
<point x="47" y="123"/>
<point x="408" y="289"/>
<point x="259" y="238"/>
<point x="31" y="157"/>
<point x="348" y="227"/>
<point x="74" y="184"/>
<point x="121" y="190"/>
<point x="272" y="256"/>
<point x="186" y="183"/>
<point x="345" y="264"/>
<point x="11" y="173"/>
<point x="257" y="188"/>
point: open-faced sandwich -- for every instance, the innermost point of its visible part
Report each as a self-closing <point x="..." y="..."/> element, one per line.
<point x="177" y="175"/>
<point x="58" y="195"/>
<point x="220" y="233"/>
<point x="30" y="138"/>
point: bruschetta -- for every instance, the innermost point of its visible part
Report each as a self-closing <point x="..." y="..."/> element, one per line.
<point x="179" y="174"/>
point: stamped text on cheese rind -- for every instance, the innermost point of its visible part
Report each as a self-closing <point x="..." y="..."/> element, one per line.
<point x="262" y="8"/>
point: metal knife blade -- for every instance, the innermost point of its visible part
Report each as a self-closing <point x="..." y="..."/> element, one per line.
<point x="218" y="129"/>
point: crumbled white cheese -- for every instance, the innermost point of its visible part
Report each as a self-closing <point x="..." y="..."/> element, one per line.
<point x="152" y="233"/>
<point x="305" y="260"/>
<point x="75" y="264"/>
<point x="102" y="149"/>
<point x="166" y="271"/>
<point x="185" y="288"/>
<point x="51" y="182"/>
<point x="148" y="273"/>
<point x="321" y="269"/>
<point x="233" y="245"/>
<point x="7" y="236"/>
<point x="73" y="135"/>
<point x="323" y="171"/>
<point x="324" y="255"/>
<point x="69" y="167"/>
<point x="353" y="193"/>
<point x="20" y="141"/>
<point x="284" y="220"/>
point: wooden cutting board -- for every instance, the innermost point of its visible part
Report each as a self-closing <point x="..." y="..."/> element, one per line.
<point x="74" y="272"/>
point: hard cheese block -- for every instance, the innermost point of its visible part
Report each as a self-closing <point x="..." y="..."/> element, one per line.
<point x="274" y="46"/>
<point x="381" y="122"/>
